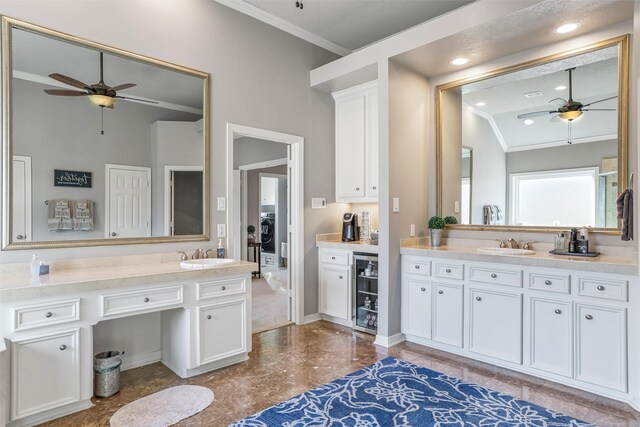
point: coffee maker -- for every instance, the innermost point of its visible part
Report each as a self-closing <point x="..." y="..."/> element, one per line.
<point x="350" y="229"/>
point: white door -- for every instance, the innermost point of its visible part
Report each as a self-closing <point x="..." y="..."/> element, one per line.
<point x="350" y="146"/>
<point x="417" y="308"/>
<point x="335" y="291"/>
<point x="239" y="238"/>
<point x="447" y="313"/>
<point x="21" y="201"/>
<point x="551" y="336"/>
<point x="128" y="201"/>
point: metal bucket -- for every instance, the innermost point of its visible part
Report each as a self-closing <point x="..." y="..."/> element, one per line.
<point x="436" y="237"/>
<point x="106" y="370"/>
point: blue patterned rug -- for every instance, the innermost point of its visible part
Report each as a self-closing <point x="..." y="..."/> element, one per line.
<point x="393" y="392"/>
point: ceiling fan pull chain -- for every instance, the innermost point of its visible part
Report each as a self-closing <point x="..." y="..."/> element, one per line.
<point x="569" y="133"/>
<point x="102" y="121"/>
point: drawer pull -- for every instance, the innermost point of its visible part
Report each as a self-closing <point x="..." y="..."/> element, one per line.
<point x="441" y="292"/>
<point x="600" y="288"/>
<point x="558" y="311"/>
<point x="357" y="188"/>
<point x="494" y="275"/>
<point x="340" y="277"/>
<point x="588" y="317"/>
<point x="146" y="299"/>
<point x="224" y="288"/>
<point x="208" y="317"/>
<point x="333" y="257"/>
<point x="547" y="282"/>
<point x="417" y="267"/>
<point x="448" y="270"/>
<point x="49" y="314"/>
<point x="63" y="347"/>
<point x="422" y="289"/>
<point x="478" y="299"/>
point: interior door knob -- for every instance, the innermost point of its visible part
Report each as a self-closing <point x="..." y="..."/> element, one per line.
<point x="114" y="234"/>
<point x="20" y="237"/>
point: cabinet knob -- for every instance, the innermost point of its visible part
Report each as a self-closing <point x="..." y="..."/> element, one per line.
<point x="63" y="347"/>
<point x="375" y="188"/>
<point x="600" y="288"/>
<point x="333" y="257"/>
<point x="547" y="282"/>
<point x="494" y="275"/>
<point x="478" y="299"/>
<point x="448" y="270"/>
<point x="357" y="188"/>
<point x="224" y="288"/>
<point x="208" y="317"/>
<point x="558" y="311"/>
<point x="417" y="267"/>
<point x="588" y="317"/>
<point x="146" y="299"/>
<point x="441" y="292"/>
<point x="422" y="289"/>
<point x="114" y="234"/>
<point x="340" y="277"/>
<point x="49" y="314"/>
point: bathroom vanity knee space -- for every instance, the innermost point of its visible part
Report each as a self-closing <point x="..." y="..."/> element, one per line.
<point x="567" y="325"/>
<point x="205" y="320"/>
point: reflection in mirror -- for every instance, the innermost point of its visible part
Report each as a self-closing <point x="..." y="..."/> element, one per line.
<point x="541" y="145"/>
<point x="104" y="144"/>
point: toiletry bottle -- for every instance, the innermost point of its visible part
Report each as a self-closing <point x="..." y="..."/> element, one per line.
<point x="35" y="266"/>
<point x="582" y="246"/>
<point x="367" y="303"/>
<point x="560" y="242"/>
<point x="220" y="252"/>
<point x="573" y="240"/>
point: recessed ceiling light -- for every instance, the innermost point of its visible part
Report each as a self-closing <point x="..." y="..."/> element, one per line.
<point x="566" y="28"/>
<point x="528" y="122"/>
<point x="561" y="87"/>
<point x="459" y="61"/>
<point x="480" y="104"/>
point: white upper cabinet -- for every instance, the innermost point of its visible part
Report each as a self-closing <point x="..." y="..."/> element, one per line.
<point x="268" y="188"/>
<point x="357" y="143"/>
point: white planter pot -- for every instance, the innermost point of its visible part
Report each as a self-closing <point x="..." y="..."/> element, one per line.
<point x="436" y="237"/>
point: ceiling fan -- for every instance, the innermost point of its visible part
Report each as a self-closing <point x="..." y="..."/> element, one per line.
<point x="99" y="93"/>
<point x="568" y="110"/>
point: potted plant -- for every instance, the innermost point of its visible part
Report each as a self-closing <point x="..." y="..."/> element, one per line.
<point x="450" y="220"/>
<point x="436" y="225"/>
<point x="251" y="231"/>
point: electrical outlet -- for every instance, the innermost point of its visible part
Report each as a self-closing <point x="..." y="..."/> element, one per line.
<point x="222" y="230"/>
<point x="412" y="233"/>
<point x="222" y="204"/>
<point x="396" y="205"/>
<point x="318" y="203"/>
<point x="456" y="207"/>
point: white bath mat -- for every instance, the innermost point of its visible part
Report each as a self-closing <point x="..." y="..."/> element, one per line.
<point x="163" y="408"/>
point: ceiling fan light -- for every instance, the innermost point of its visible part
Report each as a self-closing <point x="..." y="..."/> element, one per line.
<point x="570" y="115"/>
<point x="102" y="100"/>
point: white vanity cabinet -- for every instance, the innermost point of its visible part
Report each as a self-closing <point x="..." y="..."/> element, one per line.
<point x="221" y="330"/>
<point x="551" y="332"/>
<point x="357" y="143"/>
<point x="448" y="306"/>
<point x="417" y="296"/>
<point x="335" y="285"/>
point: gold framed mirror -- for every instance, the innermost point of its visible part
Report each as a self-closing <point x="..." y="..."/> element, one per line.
<point x="549" y="141"/>
<point x="100" y="146"/>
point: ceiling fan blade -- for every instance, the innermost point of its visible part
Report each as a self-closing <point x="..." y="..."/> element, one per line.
<point x="535" y="114"/>
<point x="602" y="100"/>
<point x="599" y="109"/>
<point x="122" y="87"/>
<point x="69" y="81"/>
<point x="137" y="99"/>
<point x="555" y="118"/>
<point x="65" y="92"/>
<point x="558" y="102"/>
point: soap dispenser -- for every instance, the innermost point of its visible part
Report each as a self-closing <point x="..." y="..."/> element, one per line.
<point x="35" y="266"/>
<point x="220" y="252"/>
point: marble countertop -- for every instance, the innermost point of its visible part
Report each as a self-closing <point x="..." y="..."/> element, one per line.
<point x="334" y="241"/>
<point x="17" y="283"/>
<point x="601" y="264"/>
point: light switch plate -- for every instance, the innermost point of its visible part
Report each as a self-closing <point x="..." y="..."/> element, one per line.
<point x="396" y="205"/>
<point x="222" y="203"/>
<point x="222" y="230"/>
<point x="318" y="203"/>
<point x="412" y="233"/>
<point x="456" y="207"/>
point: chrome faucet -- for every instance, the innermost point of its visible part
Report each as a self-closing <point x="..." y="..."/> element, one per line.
<point x="528" y="245"/>
<point x="183" y="256"/>
<point x="206" y="254"/>
<point x="502" y="243"/>
<point x="199" y="253"/>
<point x="514" y="243"/>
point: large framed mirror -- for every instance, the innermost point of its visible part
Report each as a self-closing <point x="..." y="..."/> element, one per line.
<point x="543" y="143"/>
<point x="100" y="146"/>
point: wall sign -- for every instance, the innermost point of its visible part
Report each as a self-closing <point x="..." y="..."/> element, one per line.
<point x="62" y="178"/>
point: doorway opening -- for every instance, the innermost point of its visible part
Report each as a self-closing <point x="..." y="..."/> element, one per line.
<point x="183" y="210"/>
<point x="265" y="220"/>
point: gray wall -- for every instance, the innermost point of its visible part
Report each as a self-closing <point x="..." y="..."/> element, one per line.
<point x="260" y="78"/>
<point x="247" y="151"/>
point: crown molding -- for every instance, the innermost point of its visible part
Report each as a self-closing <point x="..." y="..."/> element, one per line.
<point x="259" y="14"/>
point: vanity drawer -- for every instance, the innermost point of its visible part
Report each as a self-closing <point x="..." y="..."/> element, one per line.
<point x="219" y="288"/>
<point x="448" y="270"/>
<point x="497" y="276"/>
<point x="550" y="282"/>
<point x="49" y="313"/>
<point x="603" y="288"/>
<point x="420" y="266"/>
<point x="338" y="258"/>
<point x="140" y="301"/>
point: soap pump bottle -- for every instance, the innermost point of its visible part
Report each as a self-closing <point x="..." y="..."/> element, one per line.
<point x="35" y="266"/>
<point x="220" y="252"/>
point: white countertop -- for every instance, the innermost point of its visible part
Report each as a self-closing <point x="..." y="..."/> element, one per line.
<point x="334" y="241"/>
<point x="16" y="283"/>
<point x="602" y="264"/>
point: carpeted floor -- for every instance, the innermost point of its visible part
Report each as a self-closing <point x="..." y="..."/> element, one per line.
<point x="269" y="307"/>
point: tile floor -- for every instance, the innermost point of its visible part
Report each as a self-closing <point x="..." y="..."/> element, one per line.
<point x="290" y="360"/>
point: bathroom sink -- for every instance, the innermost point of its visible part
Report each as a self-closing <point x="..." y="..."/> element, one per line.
<point x="505" y="251"/>
<point x="200" y="264"/>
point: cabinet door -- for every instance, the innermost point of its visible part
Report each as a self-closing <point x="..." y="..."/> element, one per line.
<point x="222" y="330"/>
<point x="372" y="145"/>
<point x="601" y="334"/>
<point x="335" y="291"/>
<point x="551" y="336"/>
<point x="350" y="148"/>
<point x="416" y="307"/>
<point x="447" y="313"/>
<point x="45" y="373"/>
<point x="496" y="324"/>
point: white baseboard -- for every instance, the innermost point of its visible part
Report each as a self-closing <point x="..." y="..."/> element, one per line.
<point x="389" y="341"/>
<point x="139" y="360"/>
<point x="311" y="318"/>
<point x="51" y="414"/>
<point x="337" y="320"/>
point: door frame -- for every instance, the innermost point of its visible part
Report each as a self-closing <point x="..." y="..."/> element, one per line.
<point x="28" y="196"/>
<point x="107" y="193"/>
<point x="167" y="194"/>
<point x="295" y="169"/>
